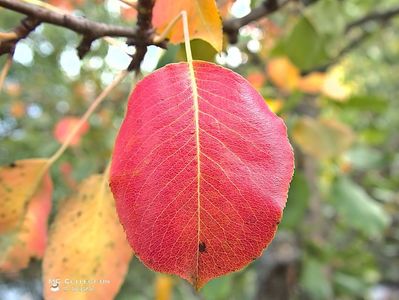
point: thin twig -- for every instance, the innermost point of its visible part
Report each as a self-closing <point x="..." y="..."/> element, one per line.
<point x="5" y="71"/>
<point x="267" y="7"/>
<point x="26" y="26"/>
<point x="132" y="4"/>
<point x="5" y="36"/>
<point x="168" y="29"/>
<point x="86" y="116"/>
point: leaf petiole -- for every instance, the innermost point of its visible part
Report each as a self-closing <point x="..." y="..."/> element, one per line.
<point x="168" y="29"/>
<point x="5" y="71"/>
<point x="86" y="116"/>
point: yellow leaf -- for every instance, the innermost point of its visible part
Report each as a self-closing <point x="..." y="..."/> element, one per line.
<point x="87" y="244"/>
<point x="283" y="73"/>
<point x="275" y="105"/>
<point x="334" y="86"/>
<point x="203" y="18"/>
<point x="18" y="183"/>
<point x="322" y="138"/>
<point x="29" y="240"/>
<point x="312" y="83"/>
<point x="163" y="287"/>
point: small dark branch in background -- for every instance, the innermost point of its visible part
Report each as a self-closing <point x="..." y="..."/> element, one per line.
<point x="26" y="26"/>
<point x="383" y="18"/>
<point x="85" y="45"/>
<point x="232" y="26"/>
<point x="144" y="33"/>
<point x="353" y="44"/>
<point x="78" y="24"/>
<point x="375" y="16"/>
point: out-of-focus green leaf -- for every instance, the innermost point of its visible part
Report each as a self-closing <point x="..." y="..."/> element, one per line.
<point x="364" y="158"/>
<point x="357" y="208"/>
<point x="314" y="38"/>
<point x="298" y="198"/>
<point x="200" y="49"/>
<point x="314" y="280"/>
<point x="218" y="289"/>
<point x="349" y="283"/>
<point x="327" y="17"/>
<point x="303" y="45"/>
<point x="169" y="56"/>
<point x="365" y="103"/>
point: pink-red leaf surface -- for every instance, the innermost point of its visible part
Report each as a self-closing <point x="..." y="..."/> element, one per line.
<point x="200" y="171"/>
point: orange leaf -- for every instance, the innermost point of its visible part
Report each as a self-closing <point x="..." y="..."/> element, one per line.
<point x="128" y="13"/>
<point x="66" y="173"/>
<point x="163" y="287"/>
<point x="224" y="7"/>
<point x="312" y="83"/>
<point x="19" y="181"/>
<point x="256" y="79"/>
<point x="86" y="242"/>
<point x="29" y="240"/>
<point x="203" y="18"/>
<point x="63" y="4"/>
<point x="13" y="89"/>
<point x="64" y="127"/>
<point x="17" y="109"/>
<point x="283" y="73"/>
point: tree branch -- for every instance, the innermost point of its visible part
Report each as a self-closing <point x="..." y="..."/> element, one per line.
<point x="381" y="17"/>
<point x="232" y="26"/>
<point x="374" y="16"/>
<point x="26" y="26"/>
<point x="78" y="24"/>
<point x="141" y="36"/>
<point x="144" y="33"/>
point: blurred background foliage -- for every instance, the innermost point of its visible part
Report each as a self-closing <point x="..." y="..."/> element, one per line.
<point x="339" y="238"/>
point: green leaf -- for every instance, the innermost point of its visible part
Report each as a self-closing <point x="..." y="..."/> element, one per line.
<point x="357" y="209"/>
<point x="169" y="56"/>
<point x="364" y="158"/>
<point x="326" y="17"/>
<point x="314" y="280"/>
<point x="218" y="289"/>
<point x="298" y="199"/>
<point x="349" y="283"/>
<point x="366" y="103"/>
<point x="303" y="45"/>
<point x="201" y="50"/>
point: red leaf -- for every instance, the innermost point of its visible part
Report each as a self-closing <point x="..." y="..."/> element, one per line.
<point x="200" y="171"/>
<point x="64" y="128"/>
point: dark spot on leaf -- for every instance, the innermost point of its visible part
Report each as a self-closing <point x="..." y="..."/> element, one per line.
<point x="202" y="247"/>
<point x="65" y="259"/>
<point x="278" y="222"/>
<point x="79" y="213"/>
<point x="12" y="165"/>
